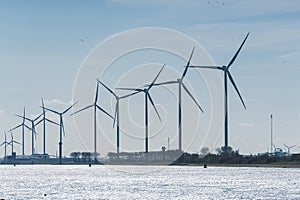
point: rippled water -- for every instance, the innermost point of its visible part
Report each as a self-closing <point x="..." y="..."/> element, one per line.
<point x="147" y="182"/>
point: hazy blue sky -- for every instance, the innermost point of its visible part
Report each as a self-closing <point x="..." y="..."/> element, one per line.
<point x="43" y="44"/>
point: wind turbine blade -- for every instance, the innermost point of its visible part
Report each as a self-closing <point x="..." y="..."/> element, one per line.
<point x="207" y="67"/>
<point x="293" y="146"/>
<point x="236" y="89"/>
<point x="39" y="122"/>
<point x="82" y="109"/>
<point x="151" y="85"/>
<point x="115" y="116"/>
<point x="63" y="127"/>
<point x="43" y="105"/>
<point x="97" y="92"/>
<point x="38" y="117"/>
<point x="52" y="122"/>
<point x="187" y="65"/>
<point x="70" y="107"/>
<point x="52" y="111"/>
<point x="27" y="127"/>
<point x="20" y="116"/>
<point x="24" y="115"/>
<point x="130" y="89"/>
<point x="105" y="86"/>
<point x="17" y="142"/>
<point x="188" y="92"/>
<point x="151" y="100"/>
<point x="15" y="128"/>
<point x="286" y="145"/>
<point x="163" y="83"/>
<point x="35" y="134"/>
<point x="5" y="141"/>
<point x="236" y="54"/>
<point x="128" y="95"/>
<point x="104" y="111"/>
<point x="25" y="118"/>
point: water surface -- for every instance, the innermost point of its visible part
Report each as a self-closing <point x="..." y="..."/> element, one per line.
<point x="147" y="182"/>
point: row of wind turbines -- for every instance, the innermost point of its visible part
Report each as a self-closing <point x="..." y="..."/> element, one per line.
<point x="134" y="91"/>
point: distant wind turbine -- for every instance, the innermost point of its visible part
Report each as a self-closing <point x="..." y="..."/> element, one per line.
<point x="96" y="106"/>
<point x="44" y="119"/>
<point x="12" y="141"/>
<point x="180" y="83"/>
<point x="271" y="120"/>
<point x="5" y="143"/>
<point x="33" y="132"/>
<point x="117" y="112"/>
<point x="62" y="129"/>
<point x="147" y="96"/>
<point x="227" y="75"/>
<point x="23" y="125"/>
<point x="289" y="148"/>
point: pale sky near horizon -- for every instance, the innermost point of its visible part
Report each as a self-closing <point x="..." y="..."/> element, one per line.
<point x="43" y="44"/>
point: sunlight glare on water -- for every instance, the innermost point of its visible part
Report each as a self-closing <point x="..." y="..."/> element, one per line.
<point x="147" y="182"/>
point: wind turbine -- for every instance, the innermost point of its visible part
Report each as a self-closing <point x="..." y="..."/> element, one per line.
<point x="289" y="148"/>
<point x="147" y="96"/>
<point x="5" y="143"/>
<point x="95" y="105"/>
<point x="227" y="75"/>
<point x="12" y="141"/>
<point x="22" y="125"/>
<point x="62" y="129"/>
<point x="44" y="119"/>
<point x="181" y="85"/>
<point x="33" y="132"/>
<point x="117" y="111"/>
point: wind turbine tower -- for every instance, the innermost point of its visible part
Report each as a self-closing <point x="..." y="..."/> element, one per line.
<point x="33" y="132"/>
<point x="96" y="106"/>
<point x="227" y="75"/>
<point x="117" y="112"/>
<point x="23" y="125"/>
<point x="61" y="129"/>
<point x="5" y="143"/>
<point x="146" y="92"/>
<point x="12" y="141"/>
<point x="44" y="119"/>
<point x="289" y="148"/>
<point x="181" y="85"/>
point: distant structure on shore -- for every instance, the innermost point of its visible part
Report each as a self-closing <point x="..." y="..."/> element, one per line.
<point x="163" y="156"/>
<point x="151" y="156"/>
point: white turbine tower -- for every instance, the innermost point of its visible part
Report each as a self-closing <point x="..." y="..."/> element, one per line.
<point x="146" y="92"/>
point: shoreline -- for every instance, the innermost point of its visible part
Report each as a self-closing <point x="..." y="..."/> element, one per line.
<point x="270" y="165"/>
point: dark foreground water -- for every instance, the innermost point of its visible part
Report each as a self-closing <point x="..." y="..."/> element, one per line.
<point x="147" y="182"/>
